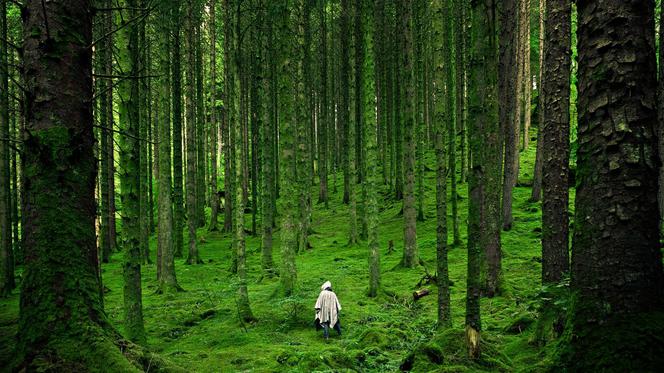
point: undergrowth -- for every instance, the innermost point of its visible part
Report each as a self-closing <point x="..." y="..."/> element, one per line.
<point x="199" y="329"/>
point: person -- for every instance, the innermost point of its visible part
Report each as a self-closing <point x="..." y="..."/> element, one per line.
<point x="327" y="310"/>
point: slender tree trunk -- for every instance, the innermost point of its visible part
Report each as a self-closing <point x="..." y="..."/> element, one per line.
<point x="6" y="261"/>
<point x="442" y="113"/>
<point x="555" y="140"/>
<point x="344" y="117"/>
<point x="130" y="178"/>
<point x="214" y="130"/>
<point x="166" y="275"/>
<point x="323" y="118"/>
<point x="288" y="85"/>
<point x="201" y="160"/>
<point x="536" y="192"/>
<point x="509" y="100"/>
<point x="456" y="80"/>
<point x="143" y="195"/>
<point x="178" y="195"/>
<point x="410" y="253"/>
<point x="228" y="117"/>
<point x="527" y="79"/>
<point x="105" y="100"/>
<point x="190" y="109"/>
<point x="616" y="257"/>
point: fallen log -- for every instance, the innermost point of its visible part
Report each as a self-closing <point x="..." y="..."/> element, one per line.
<point x="417" y="294"/>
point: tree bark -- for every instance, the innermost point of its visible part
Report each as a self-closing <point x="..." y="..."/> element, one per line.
<point x="6" y="259"/>
<point x="555" y="140"/>
<point x="616" y="258"/>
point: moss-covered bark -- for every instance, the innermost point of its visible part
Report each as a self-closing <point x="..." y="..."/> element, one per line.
<point x="191" y="135"/>
<point x="62" y="325"/>
<point x="214" y="125"/>
<point x="6" y="260"/>
<point x="130" y="177"/>
<point x="176" y="92"/>
<point x="410" y="253"/>
<point x="166" y="274"/>
<point x="288" y="78"/>
<point x="442" y="61"/>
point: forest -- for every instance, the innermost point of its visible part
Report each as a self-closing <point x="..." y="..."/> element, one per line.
<point x="480" y="181"/>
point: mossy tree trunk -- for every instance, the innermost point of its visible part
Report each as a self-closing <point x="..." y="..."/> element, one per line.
<point x="555" y="140"/>
<point x="191" y="135"/>
<point x="201" y="154"/>
<point x="6" y="257"/>
<point x="106" y="122"/>
<point x="536" y="191"/>
<point x="228" y="116"/>
<point x="484" y="176"/>
<point x="130" y="176"/>
<point x="176" y="82"/>
<point x="410" y="253"/>
<point x="288" y="78"/>
<point x="323" y="117"/>
<point x="60" y="181"/>
<point x="214" y="126"/>
<point x="508" y="108"/>
<point x="267" y="141"/>
<point x="442" y="114"/>
<point x="616" y="258"/>
<point x="143" y="69"/>
<point x="166" y="275"/>
<point x="344" y="107"/>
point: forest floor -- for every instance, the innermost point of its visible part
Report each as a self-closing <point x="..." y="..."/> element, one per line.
<point x="199" y="329"/>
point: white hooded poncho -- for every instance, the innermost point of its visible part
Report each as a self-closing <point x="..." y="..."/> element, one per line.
<point x="327" y="306"/>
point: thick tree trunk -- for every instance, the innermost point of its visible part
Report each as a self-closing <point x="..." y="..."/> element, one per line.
<point x="60" y="226"/>
<point x="228" y="117"/>
<point x="616" y="257"/>
<point x="459" y="82"/>
<point x="555" y="140"/>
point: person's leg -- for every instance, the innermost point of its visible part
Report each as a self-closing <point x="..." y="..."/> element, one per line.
<point x="337" y="326"/>
<point x="326" y="329"/>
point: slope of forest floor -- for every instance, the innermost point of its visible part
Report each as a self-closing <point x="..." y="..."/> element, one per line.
<point x="199" y="328"/>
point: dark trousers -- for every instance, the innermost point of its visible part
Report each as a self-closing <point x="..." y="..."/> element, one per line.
<point x="326" y="327"/>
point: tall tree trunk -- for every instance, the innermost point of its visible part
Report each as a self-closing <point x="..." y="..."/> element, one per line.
<point x="190" y="109"/>
<point x="616" y="257"/>
<point x="344" y="116"/>
<point x="410" y="253"/>
<point x="509" y="100"/>
<point x="455" y="103"/>
<point x="353" y="156"/>
<point x="105" y="100"/>
<point x="60" y="226"/>
<point x="323" y="117"/>
<point x="165" y="261"/>
<point x="536" y="192"/>
<point x="142" y="70"/>
<point x="442" y="113"/>
<point x="527" y="79"/>
<point x="484" y="177"/>
<point x="555" y="140"/>
<point x="288" y="79"/>
<point x="130" y="178"/>
<point x="214" y="130"/>
<point x="201" y="154"/>
<point x="228" y="117"/>
<point x="176" y="82"/>
<point x="6" y="257"/>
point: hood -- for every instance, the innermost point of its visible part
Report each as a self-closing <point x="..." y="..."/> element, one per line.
<point x="326" y="285"/>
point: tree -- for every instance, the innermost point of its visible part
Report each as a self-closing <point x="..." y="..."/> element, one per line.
<point x="214" y="130"/>
<point x="484" y="177"/>
<point x="176" y="81"/>
<point x="106" y="134"/>
<point x="442" y="114"/>
<point x="166" y="274"/>
<point x="228" y="116"/>
<point x="555" y="140"/>
<point x="190" y="109"/>
<point x="344" y="93"/>
<point x="59" y="157"/>
<point x="6" y="257"/>
<point x="323" y="105"/>
<point x="508" y="108"/>
<point x="130" y="177"/>
<point x="537" y="174"/>
<point x="288" y="78"/>
<point x="616" y="259"/>
<point x="410" y="254"/>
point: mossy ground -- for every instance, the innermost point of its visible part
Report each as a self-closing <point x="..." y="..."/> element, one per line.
<point x="199" y="329"/>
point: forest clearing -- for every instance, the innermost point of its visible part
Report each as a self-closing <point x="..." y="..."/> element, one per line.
<point x="439" y="185"/>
